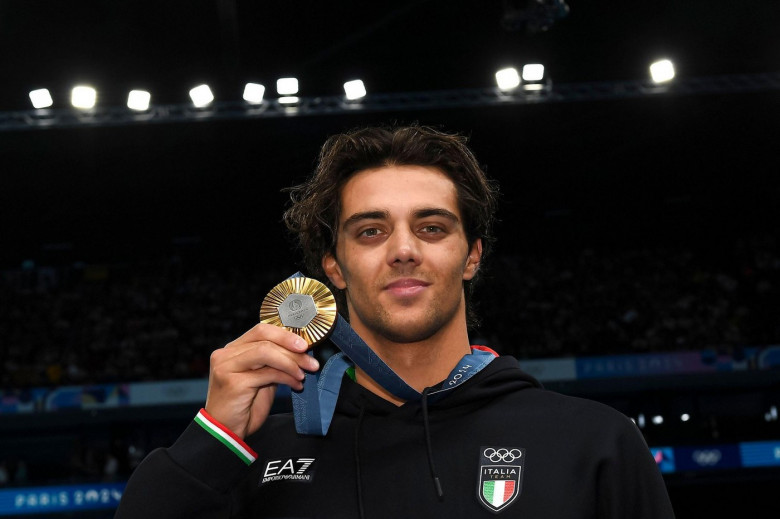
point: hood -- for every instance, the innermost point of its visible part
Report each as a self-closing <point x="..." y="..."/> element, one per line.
<point x="503" y="375"/>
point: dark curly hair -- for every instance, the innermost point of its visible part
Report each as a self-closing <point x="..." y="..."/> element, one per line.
<point x="313" y="215"/>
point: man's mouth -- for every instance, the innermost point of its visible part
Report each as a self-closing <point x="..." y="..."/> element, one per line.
<point x="406" y="287"/>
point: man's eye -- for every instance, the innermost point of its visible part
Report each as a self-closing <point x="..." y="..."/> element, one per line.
<point x="369" y="232"/>
<point x="432" y="229"/>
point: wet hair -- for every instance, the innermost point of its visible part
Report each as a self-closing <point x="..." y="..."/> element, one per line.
<point x="314" y="212"/>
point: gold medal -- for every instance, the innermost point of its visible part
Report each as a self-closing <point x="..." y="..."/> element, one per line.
<point x="302" y="305"/>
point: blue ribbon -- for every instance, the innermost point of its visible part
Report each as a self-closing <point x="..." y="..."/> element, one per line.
<point x="313" y="407"/>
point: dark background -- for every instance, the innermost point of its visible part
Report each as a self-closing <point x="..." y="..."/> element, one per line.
<point x="696" y="171"/>
<point x="690" y="168"/>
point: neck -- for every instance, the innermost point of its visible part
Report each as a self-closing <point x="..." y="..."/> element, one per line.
<point x="420" y="364"/>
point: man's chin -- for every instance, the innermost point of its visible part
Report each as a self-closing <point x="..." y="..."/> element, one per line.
<point x="408" y="332"/>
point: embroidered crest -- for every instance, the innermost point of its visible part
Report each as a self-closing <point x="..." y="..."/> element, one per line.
<point x="290" y="469"/>
<point x="500" y="476"/>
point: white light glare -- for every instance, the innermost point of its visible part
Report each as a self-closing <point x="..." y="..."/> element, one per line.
<point x="354" y="89"/>
<point x="287" y="86"/>
<point x="253" y="93"/>
<point x="640" y="420"/>
<point x="83" y="97"/>
<point x="201" y="96"/>
<point x="288" y="100"/>
<point x="507" y="78"/>
<point x="662" y="71"/>
<point x="41" y="98"/>
<point x="138" y="100"/>
<point x="658" y="419"/>
<point x="685" y="417"/>
<point x="533" y="72"/>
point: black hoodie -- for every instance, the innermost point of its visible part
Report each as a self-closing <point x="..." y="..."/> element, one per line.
<point x="497" y="445"/>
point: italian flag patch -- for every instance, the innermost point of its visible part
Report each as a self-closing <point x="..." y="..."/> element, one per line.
<point x="500" y="476"/>
<point x="498" y="492"/>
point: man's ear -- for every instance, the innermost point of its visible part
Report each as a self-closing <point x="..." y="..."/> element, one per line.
<point x="473" y="259"/>
<point x="333" y="271"/>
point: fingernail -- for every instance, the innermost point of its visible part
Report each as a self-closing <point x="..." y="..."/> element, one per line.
<point x="301" y="344"/>
<point x="314" y="364"/>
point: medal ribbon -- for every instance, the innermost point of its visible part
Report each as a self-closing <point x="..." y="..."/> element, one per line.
<point x="313" y="407"/>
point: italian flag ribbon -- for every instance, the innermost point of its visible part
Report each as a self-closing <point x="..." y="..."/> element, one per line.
<point x="226" y="437"/>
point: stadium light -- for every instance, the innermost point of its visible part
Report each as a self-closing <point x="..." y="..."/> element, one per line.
<point x="533" y="76"/>
<point x="83" y="97"/>
<point x="533" y="72"/>
<point x="507" y="78"/>
<point x="662" y="71"/>
<point x="354" y="90"/>
<point x="287" y="86"/>
<point x="138" y="100"/>
<point x="658" y="419"/>
<point x="685" y="417"/>
<point x="201" y="96"/>
<point x="253" y="93"/>
<point x="41" y="98"/>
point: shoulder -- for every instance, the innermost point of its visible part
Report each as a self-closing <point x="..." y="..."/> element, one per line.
<point x="556" y="411"/>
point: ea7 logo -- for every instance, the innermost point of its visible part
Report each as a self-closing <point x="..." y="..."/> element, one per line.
<point x="500" y="476"/>
<point x="295" y="469"/>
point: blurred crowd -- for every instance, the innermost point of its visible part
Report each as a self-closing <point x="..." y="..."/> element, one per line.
<point x="157" y="320"/>
<point x="61" y="454"/>
<point x="599" y="302"/>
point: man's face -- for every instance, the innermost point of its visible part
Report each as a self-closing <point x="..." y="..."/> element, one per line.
<point x="402" y="254"/>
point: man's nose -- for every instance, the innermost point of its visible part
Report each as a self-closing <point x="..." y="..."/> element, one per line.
<point x="403" y="247"/>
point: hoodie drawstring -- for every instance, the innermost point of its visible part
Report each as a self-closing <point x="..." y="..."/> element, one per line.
<point x="428" y="445"/>
<point x="358" y="476"/>
<point x="426" y="426"/>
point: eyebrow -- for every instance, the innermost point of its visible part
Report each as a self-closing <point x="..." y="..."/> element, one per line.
<point x="384" y="215"/>
<point x="436" y="211"/>
<point x="365" y="215"/>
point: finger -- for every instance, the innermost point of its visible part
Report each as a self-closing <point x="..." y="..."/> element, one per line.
<point x="257" y="355"/>
<point x="265" y="377"/>
<point x="275" y="334"/>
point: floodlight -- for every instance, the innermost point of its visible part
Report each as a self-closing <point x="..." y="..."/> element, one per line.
<point x="354" y="89"/>
<point x="662" y="71"/>
<point x="508" y="78"/>
<point x="288" y="100"/>
<point x="138" y="100"/>
<point x="533" y="72"/>
<point x="201" y="96"/>
<point x="253" y="93"/>
<point x="41" y="98"/>
<point x="658" y="419"/>
<point x="287" y="86"/>
<point x="83" y="97"/>
<point x="685" y="417"/>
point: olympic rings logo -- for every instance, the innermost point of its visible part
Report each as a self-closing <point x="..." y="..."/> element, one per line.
<point x="505" y="455"/>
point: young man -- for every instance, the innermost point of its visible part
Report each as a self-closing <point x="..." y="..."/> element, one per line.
<point x="397" y="221"/>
